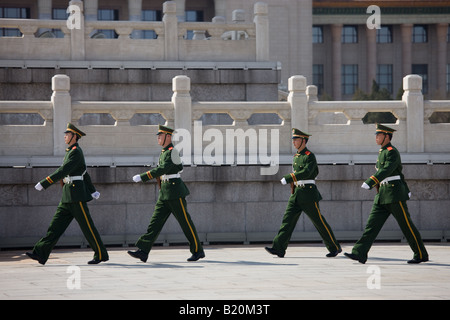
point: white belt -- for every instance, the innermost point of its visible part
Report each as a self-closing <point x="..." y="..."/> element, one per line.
<point x="301" y="183"/>
<point x="70" y="179"/>
<point x="166" y="177"/>
<point x="385" y="181"/>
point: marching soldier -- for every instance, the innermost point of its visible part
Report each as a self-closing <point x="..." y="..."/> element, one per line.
<point x="171" y="199"/>
<point x="304" y="197"/>
<point x="392" y="193"/>
<point x="77" y="190"/>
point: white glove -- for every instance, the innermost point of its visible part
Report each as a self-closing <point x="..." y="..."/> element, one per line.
<point x="365" y="186"/>
<point x="137" y="178"/>
<point x="409" y="194"/>
<point x="283" y="181"/>
<point x="95" y="195"/>
<point x="38" y="187"/>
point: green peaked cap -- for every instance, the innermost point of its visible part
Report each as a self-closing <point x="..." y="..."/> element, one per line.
<point x="296" y="133"/>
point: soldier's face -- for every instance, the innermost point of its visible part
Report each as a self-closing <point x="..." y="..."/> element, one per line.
<point x="164" y="139"/>
<point x="379" y="138"/>
<point x="297" y="142"/>
<point x="68" y="137"/>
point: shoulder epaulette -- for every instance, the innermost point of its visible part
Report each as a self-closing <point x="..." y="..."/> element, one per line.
<point x="74" y="147"/>
<point x="170" y="148"/>
<point x="389" y="148"/>
<point x="308" y="153"/>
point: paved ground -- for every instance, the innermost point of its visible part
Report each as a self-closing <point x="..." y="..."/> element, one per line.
<point x="232" y="272"/>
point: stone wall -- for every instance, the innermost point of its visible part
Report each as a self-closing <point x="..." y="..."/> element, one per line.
<point x="227" y="204"/>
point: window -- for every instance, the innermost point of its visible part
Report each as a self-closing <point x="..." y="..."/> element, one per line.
<point x="384" y="35"/>
<point x="13" y="13"/>
<point x="422" y="70"/>
<point x="318" y="77"/>
<point x="384" y="76"/>
<point x="419" y="34"/>
<point x="59" y="14"/>
<point x="317" y="35"/>
<point x="349" y="34"/>
<point x="108" y="15"/>
<point x="193" y="16"/>
<point x="349" y="78"/>
<point x="150" y="15"/>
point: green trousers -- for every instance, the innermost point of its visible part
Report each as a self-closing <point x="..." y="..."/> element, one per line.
<point x="375" y="222"/>
<point x="291" y="216"/>
<point x="64" y="215"/>
<point x="163" y="209"/>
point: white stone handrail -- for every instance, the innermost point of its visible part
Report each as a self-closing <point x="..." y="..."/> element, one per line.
<point x="170" y="45"/>
<point x="416" y="136"/>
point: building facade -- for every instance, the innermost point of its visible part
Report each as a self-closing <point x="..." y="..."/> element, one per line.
<point x="412" y="37"/>
<point x="335" y="44"/>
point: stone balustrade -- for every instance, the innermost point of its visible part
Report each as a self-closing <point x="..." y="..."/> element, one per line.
<point x="79" y="43"/>
<point x="346" y="142"/>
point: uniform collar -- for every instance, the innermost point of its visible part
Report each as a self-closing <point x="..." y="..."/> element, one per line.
<point x="386" y="146"/>
<point x="75" y="145"/>
<point x="303" y="151"/>
<point x="170" y="145"/>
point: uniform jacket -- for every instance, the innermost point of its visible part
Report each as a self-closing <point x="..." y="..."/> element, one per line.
<point x="73" y="165"/>
<point x="175" y="187"/>
<point x="305" y="168"/>
<point x="389" y="164"/>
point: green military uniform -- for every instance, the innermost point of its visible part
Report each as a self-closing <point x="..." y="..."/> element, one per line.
<point x="305" y="197"/>
<point x="392" y="193"/>
<point x="171" y="199"/>
<point x="76" y="192"/>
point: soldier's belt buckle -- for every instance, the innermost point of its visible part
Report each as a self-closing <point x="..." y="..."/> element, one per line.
<point x="66" y="180"/>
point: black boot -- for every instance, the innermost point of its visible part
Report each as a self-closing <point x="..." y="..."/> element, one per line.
<point x="274" y="252"/>
<point x="196" y="256"/>
<point x="139" y="254"/>
<point x="354" y="257"/>
<point x="34" y="256"/>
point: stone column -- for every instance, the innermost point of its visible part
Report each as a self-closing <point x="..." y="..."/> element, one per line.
<point x="171" y="31"/>
<point x="406" y="33"/>
<point x="77" y="40"/>
<point x="441" y="60"/>
<point x="91" y="9"/>
<point x="44" y="13"/>
<point x="62" y="111"/>
<point x="371" y="50"/>
<point x="299" y="103"/>
<point x="336" y="33"/>
<point x="412" y="96"/>
<point x="134" y="14"/>
<point x="261" y="21"/>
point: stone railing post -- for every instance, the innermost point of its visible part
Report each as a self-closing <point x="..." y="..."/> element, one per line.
<point x="75" y="23"/>
<point x="171" y="31"/>
<point x="261" y="21"/>
<point x="182" y="102"/>
<point x="311" y="93"/>
<point x="413" y="97"/>
<point x="299" y="102"/>
<point x="62" y="111"/>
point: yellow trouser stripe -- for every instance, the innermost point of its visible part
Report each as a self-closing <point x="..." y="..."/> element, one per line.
<point x="89" y="226"/>
<point x="329" y="233"/>
<point x="410" y="229"/>
<point x="192" y="231"/>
